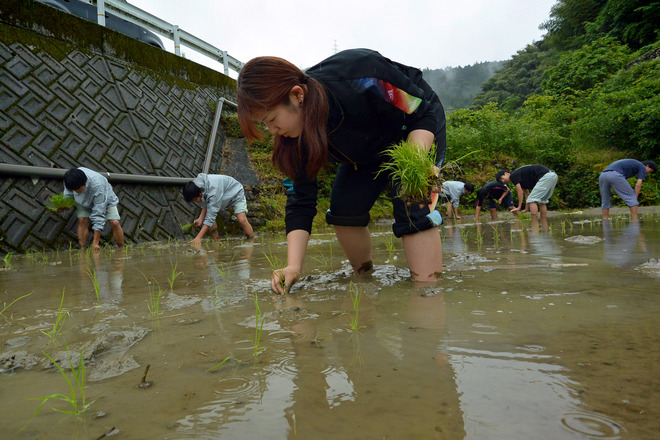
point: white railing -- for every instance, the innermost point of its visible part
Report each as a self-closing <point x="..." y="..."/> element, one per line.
<point x="171" y="31"/>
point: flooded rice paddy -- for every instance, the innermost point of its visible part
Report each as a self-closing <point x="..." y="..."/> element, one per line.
<point x="536" y="331"/>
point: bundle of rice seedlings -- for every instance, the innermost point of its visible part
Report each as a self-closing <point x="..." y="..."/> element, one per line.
<point x="415" y="171"/>
<point x="60" y="201"/>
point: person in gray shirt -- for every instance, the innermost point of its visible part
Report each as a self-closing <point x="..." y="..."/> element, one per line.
<point x="215" y="192"/>
<point x="451" y="193"/>
<point x="615" y="177"/>
<point x="95" y="200"/>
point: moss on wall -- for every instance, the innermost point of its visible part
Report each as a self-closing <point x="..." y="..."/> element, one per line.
<point x="49" y="25"/>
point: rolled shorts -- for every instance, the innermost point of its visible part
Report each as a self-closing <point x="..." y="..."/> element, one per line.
<point x="111" y="213"/>
<point x="543" y="189"/>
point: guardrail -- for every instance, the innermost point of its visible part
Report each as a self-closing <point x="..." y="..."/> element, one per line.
<point x="171" y="31"/>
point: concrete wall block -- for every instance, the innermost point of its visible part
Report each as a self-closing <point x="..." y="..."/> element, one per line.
<point x="25" y="53"/>
<point x="91" y="87"/>
<point x="47" y="142"/>
<point x="7" y="98"/>
<point x="45" y="74"/>
<point x="124" y="122"/>
<point x="73" y="62"/>
<point x="107" y="103"/>
<point x="23" y="118"/>
<point x="18" y="67"/>
<point x="5" y="52"/>
<point x="118" y="71"/>
<point x="47" y="120"/>
<point x="32" y="103"/>
<point x="85" y="101"/>
<point x="36" y="86"/>
<point x="73" y="146"/>
<point x="5" y="120"/>
<point x="76" y="128"/>
<point x="130" y="94"/>
<point x="60" y="109"/>
<point x="98" y="63"/>
<point x="69" y="81"/>
<point x="16" y="139"/>
<point x="12" y="83"/>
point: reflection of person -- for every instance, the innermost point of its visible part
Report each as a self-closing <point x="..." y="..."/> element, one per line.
<point x="95" y="200"/>
<point x="540" y="180"/>
<point x="451" y="192"/>
<point x="620" y="251"/>
<point x="350" y="107"/>
<point x="614" y="177"/>
<point x="497" y="193"/>
<point x="216" y="192"/>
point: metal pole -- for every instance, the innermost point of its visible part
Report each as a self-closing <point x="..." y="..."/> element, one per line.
<point x="214" y="131"/>
<point x="100" y="8"/>
<point x="58" y="173"/>
<point x="177" y="40"/>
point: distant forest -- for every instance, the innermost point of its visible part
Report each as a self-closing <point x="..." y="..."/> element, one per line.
<point x="457" y="86"/>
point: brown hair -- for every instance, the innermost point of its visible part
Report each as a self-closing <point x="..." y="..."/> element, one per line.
<point x="266" y="82"/>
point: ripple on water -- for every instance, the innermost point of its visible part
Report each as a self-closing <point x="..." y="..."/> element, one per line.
<point x="237" y="386"/>
<point x="592" y="425"/>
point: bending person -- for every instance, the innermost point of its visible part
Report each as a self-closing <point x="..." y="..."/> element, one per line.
<point x="615" y="176"/>
<point x="349" y="108"/>
<point x="215" y="192"/>
<point x="95" y="200"/>
<point x="540" y="180"/>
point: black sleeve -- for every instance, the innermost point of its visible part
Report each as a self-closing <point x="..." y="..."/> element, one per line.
<point x="301" y="205"/>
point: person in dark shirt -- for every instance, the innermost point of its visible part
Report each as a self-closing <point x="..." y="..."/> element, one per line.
<point x="615" y="177"/>
<point x="541" y="182"/>
<point x="349" y="108"/>
<point x="496" y="193"/>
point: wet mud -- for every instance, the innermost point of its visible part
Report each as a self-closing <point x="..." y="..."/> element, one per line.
<point x="536" y="330"/>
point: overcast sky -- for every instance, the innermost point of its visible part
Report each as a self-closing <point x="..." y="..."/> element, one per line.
<point x="422" y="33"/>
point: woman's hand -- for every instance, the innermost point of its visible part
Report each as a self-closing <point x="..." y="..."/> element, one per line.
<point x="198" y="222"/>
<point x="282" y="279"/>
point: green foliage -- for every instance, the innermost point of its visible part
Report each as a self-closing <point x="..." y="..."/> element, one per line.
<point x="519" y="79"/>
<point x="568" y="20"/>
<point x="586" y="67"/>
<point x="230" y="125"/>
<point x="633" y="22"/>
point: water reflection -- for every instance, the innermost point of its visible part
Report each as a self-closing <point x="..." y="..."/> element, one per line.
<point x="628" y="249"/>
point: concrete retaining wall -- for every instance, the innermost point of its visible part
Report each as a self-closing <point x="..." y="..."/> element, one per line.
<point x="85" y="98"/>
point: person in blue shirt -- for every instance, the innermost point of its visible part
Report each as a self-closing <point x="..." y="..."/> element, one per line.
<point x="451" y="193"/>
<point x="95" y="200"/>
<point x="216" y="192"/>
<point x="615" y="177"/>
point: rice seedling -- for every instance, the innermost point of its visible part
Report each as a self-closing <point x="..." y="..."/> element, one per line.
<point x="154" y="299"/>
<point x="62" y="314"/>
<point x="563" y="228"/>
<point x="388" y="239"/>
<point x="60" y="202"/>
<point x="173" y="275"/>
<point x="480" y="238"/>
<point x="76" y="398"/>
<point x="228" y="358"/>
<point x="5" y="306"/>
<point x="257" y="349"/>
<point x="525" y="216"/>
<point x="91" y="273"/>
<point x="464" y="235"/>
<point x="222" y="269"/>
<point x="7" y="259"/>
<point x="187" y="226"/>
<point x="496" y="234"/>
<point x="356" y="296"/>
<point x="414" y="171"/>
<point x="275" y="265"/>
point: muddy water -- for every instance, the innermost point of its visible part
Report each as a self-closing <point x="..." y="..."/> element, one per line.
<point x="546" y="331"/>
